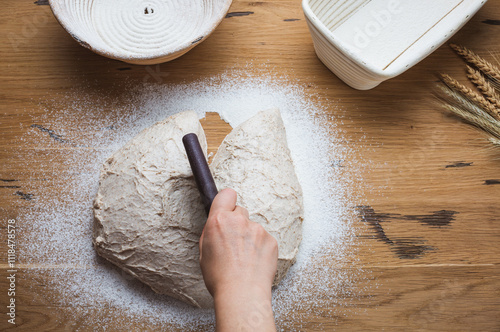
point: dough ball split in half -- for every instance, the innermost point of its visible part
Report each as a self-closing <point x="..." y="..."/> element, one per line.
<point x="148" y="214"/>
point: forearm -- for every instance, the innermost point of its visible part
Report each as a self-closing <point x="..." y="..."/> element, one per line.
<point x="244" y="310"/>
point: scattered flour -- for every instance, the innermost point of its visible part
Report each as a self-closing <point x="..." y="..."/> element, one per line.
<point x="87" y="129"/>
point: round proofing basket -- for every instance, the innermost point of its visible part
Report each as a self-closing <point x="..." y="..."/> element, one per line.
<point x="140" y="31"/>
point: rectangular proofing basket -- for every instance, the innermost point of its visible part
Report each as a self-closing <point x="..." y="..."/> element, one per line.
<point x="365" y="42"/>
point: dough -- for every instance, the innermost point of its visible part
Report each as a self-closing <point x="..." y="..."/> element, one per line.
<point x="254" y="160"/>
<point x="148" y="214"/>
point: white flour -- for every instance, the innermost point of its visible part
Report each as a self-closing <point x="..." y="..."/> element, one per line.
<point x="57" y="230"/>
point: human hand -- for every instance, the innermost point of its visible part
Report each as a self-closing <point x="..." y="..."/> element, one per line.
<point x="238" y="259"/>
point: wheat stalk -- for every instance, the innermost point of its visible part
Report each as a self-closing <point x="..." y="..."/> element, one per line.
<point x="479" y="109"/>
<point x="470" y="95"/>
<point x="458" y="100"/>
<point x="493" y="128"/>
<point x="494" y="82"/>
<point x="480" y="63"/>
<point x="484" y="86"/>
<point x="495" y="141"/>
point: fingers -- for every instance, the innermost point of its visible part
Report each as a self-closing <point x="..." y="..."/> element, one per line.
<point x="242" y="211"/>
<point x="224" y="201"/>
<point x="201" y="242"/>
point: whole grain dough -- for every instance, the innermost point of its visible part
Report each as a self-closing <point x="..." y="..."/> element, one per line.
<point x="148" y="214"/>
<point x="254" y="160"/>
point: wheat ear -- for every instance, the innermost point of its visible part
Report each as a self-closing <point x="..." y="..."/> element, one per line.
<point x="491" y="128"/>
<point x="458" y="100"/>
<point x="495" y="141"/>
<point x="484" y="86"/>
<point x="494" y="82"/>
<point x="472" y="96"/>
<point x="480" y="63"/>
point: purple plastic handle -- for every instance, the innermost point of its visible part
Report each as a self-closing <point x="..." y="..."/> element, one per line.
<point x="202" y="175"/>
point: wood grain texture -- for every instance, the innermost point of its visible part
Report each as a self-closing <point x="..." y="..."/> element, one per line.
<point x="427" y="255"/>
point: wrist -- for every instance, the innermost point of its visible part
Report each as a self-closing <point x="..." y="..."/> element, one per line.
<point x="237" y="293"/>
<point x="244" y="308"/>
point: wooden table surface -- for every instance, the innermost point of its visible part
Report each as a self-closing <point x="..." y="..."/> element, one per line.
<point x="427" y="232"/>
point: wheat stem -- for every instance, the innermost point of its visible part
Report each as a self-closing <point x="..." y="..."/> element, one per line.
<point x="495" y="141"/>
<point x="472" y="96"/>
<point x="484" y="86"/>
<point x="493" y="128"/>
<point x="494" y="82"/>
<point x="480" y="63"/>
<point x="458" y="100"/>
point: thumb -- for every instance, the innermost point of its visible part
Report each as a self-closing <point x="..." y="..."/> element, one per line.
<point x="224" y="201"/>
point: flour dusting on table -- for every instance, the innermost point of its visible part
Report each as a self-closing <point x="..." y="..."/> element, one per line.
<point x="58" y="227"/>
